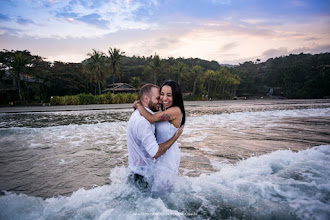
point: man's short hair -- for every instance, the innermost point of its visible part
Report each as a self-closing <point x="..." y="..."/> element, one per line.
<point x="145" y="89"/>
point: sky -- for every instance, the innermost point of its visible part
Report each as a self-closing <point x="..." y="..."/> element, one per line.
<point x="227" y="31"/>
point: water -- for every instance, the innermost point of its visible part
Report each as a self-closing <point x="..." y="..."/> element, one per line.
<point x="261" y="164"/>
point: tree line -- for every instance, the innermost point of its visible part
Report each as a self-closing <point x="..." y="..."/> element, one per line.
<point x="27" y="78"/>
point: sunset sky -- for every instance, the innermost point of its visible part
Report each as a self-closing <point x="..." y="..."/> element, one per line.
<point x="228" y="31"/>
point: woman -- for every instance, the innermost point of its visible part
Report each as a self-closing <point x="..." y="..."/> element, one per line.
<point x="168" y="121"/>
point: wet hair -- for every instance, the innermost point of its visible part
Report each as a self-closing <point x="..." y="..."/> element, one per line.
<point x="145" y="90"/>
<point x="177" y="97"/>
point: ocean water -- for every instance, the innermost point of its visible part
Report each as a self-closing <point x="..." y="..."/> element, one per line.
<point x="244" y="165"/>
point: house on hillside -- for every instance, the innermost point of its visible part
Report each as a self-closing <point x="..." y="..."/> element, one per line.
<point x="8" y="82"/>
<point x="120" y="88"/>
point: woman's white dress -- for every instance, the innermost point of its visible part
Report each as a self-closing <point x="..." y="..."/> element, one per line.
<point x="167" y="165"/>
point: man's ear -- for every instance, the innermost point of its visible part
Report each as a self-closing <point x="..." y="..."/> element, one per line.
<point x="145" y="99"/>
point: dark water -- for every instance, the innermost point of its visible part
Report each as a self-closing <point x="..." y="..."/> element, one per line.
<point x="230" y="165"/>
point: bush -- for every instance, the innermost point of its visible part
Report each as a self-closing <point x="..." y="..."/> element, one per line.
<point x="115" y="99"/>
<point x="71" y="100"/>
<point x="109" y="97"/>
<point x="133" y="97"/>
<point x="56" y="100"/>
<point x="86" y="99"/>
<point x="101" y="99"/>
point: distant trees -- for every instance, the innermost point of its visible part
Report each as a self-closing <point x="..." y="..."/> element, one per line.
<point x="251" y="80"/>
<point x="294" y="76"/>
<point x="68" y="79"/>
<point x="155" y="68"/>
<point x="299" y="76"/>
<point x="194" y="77"/>
<point x="219" y="84"/>
<point x="136" y="82"/>
<point x="180" y="71"/>
<point x="21" y="65"/>
<point x="99" y="65"/>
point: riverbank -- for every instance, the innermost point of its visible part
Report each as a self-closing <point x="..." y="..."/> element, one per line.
<point x="192" y="107"/>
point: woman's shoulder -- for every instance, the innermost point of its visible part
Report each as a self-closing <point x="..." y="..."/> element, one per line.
<point x="175" y="109"/>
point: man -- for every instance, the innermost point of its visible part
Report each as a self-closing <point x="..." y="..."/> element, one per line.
<point x="141" y="141"/>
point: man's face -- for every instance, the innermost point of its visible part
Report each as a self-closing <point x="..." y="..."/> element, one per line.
<point x="153" y="104"/>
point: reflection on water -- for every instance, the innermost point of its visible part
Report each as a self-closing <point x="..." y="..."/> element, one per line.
<point x="56" y="153"/>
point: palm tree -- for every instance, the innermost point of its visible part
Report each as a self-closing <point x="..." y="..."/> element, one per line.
<point x="18" y="65"/>
<point x="196" y="73"/>
<point x="227" y="80"/>
<point x="136" y="82"/>
<point x="157" y="67"/>
<point x="96" y="64"/>
<point x="180" y="70"/>
<point x="209" y="76"/>
<point x="115" y="58"/>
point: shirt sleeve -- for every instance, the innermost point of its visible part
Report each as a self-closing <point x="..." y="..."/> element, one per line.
<point x="147" y="137"/>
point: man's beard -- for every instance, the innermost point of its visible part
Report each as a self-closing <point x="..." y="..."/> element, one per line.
<point x="152" y="106"/>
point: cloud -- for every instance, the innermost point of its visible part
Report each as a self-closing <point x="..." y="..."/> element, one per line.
<point x="254" y="21"/>
<point x="66" y="14"/>
<point x="94" y="19"/>
<point x="228" y="46"/>
<point x="24" y="21"/>
<point x="275" y="52"/>
<point x="109" y="16"/>
<point x="224" y="31"/>
<point x="4" y="17"/>
<point x="9" y="31"/>
<point x="78" y="18"/>
<point x="284" y="51"/>
<point x="314" y="49"/>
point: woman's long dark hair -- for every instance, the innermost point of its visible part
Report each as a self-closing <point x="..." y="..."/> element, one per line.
<point x="177" y="97"/>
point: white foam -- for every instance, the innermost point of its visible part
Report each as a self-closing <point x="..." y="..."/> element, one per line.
<point x="280" y="185"/>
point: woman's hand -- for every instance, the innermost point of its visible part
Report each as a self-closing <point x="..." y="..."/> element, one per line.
<point x="136" y="103"/>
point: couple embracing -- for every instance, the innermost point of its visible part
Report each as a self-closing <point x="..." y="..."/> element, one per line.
<point x="153" y="153"/>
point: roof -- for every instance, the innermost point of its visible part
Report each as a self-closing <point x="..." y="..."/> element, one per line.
<point x="119" y="87"/>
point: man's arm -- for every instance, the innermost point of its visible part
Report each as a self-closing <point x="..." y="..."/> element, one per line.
<point x="166" y="145"/>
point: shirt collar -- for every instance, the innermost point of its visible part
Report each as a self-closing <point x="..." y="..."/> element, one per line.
<point x="149" y="110"/>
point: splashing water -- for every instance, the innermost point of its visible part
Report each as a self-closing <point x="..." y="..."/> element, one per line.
<point x="60" y="163"/>
<point x="279" y="185"/>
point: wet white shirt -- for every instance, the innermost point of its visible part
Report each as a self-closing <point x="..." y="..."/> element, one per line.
<point x="141" y="143"/>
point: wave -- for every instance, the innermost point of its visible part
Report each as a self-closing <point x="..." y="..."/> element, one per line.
<point x="279" y="185"/>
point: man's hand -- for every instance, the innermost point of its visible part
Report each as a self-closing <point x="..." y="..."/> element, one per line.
<point x="179" y="131"/>
<point x="166" y="145"/>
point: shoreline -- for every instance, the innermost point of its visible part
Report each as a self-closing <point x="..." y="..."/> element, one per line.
<point x="192" y="107"/>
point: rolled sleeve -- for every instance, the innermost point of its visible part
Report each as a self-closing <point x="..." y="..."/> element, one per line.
<point x="147" y="137"/>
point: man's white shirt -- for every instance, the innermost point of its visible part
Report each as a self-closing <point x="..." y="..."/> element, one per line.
<point x="141" y="143"/>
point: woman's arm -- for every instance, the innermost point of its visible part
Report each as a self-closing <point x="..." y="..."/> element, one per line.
<point x="167" y="115"/>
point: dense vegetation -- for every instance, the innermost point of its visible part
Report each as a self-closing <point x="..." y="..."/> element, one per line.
<point x="28" y="79"/>
<point x="86" y="99"/>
